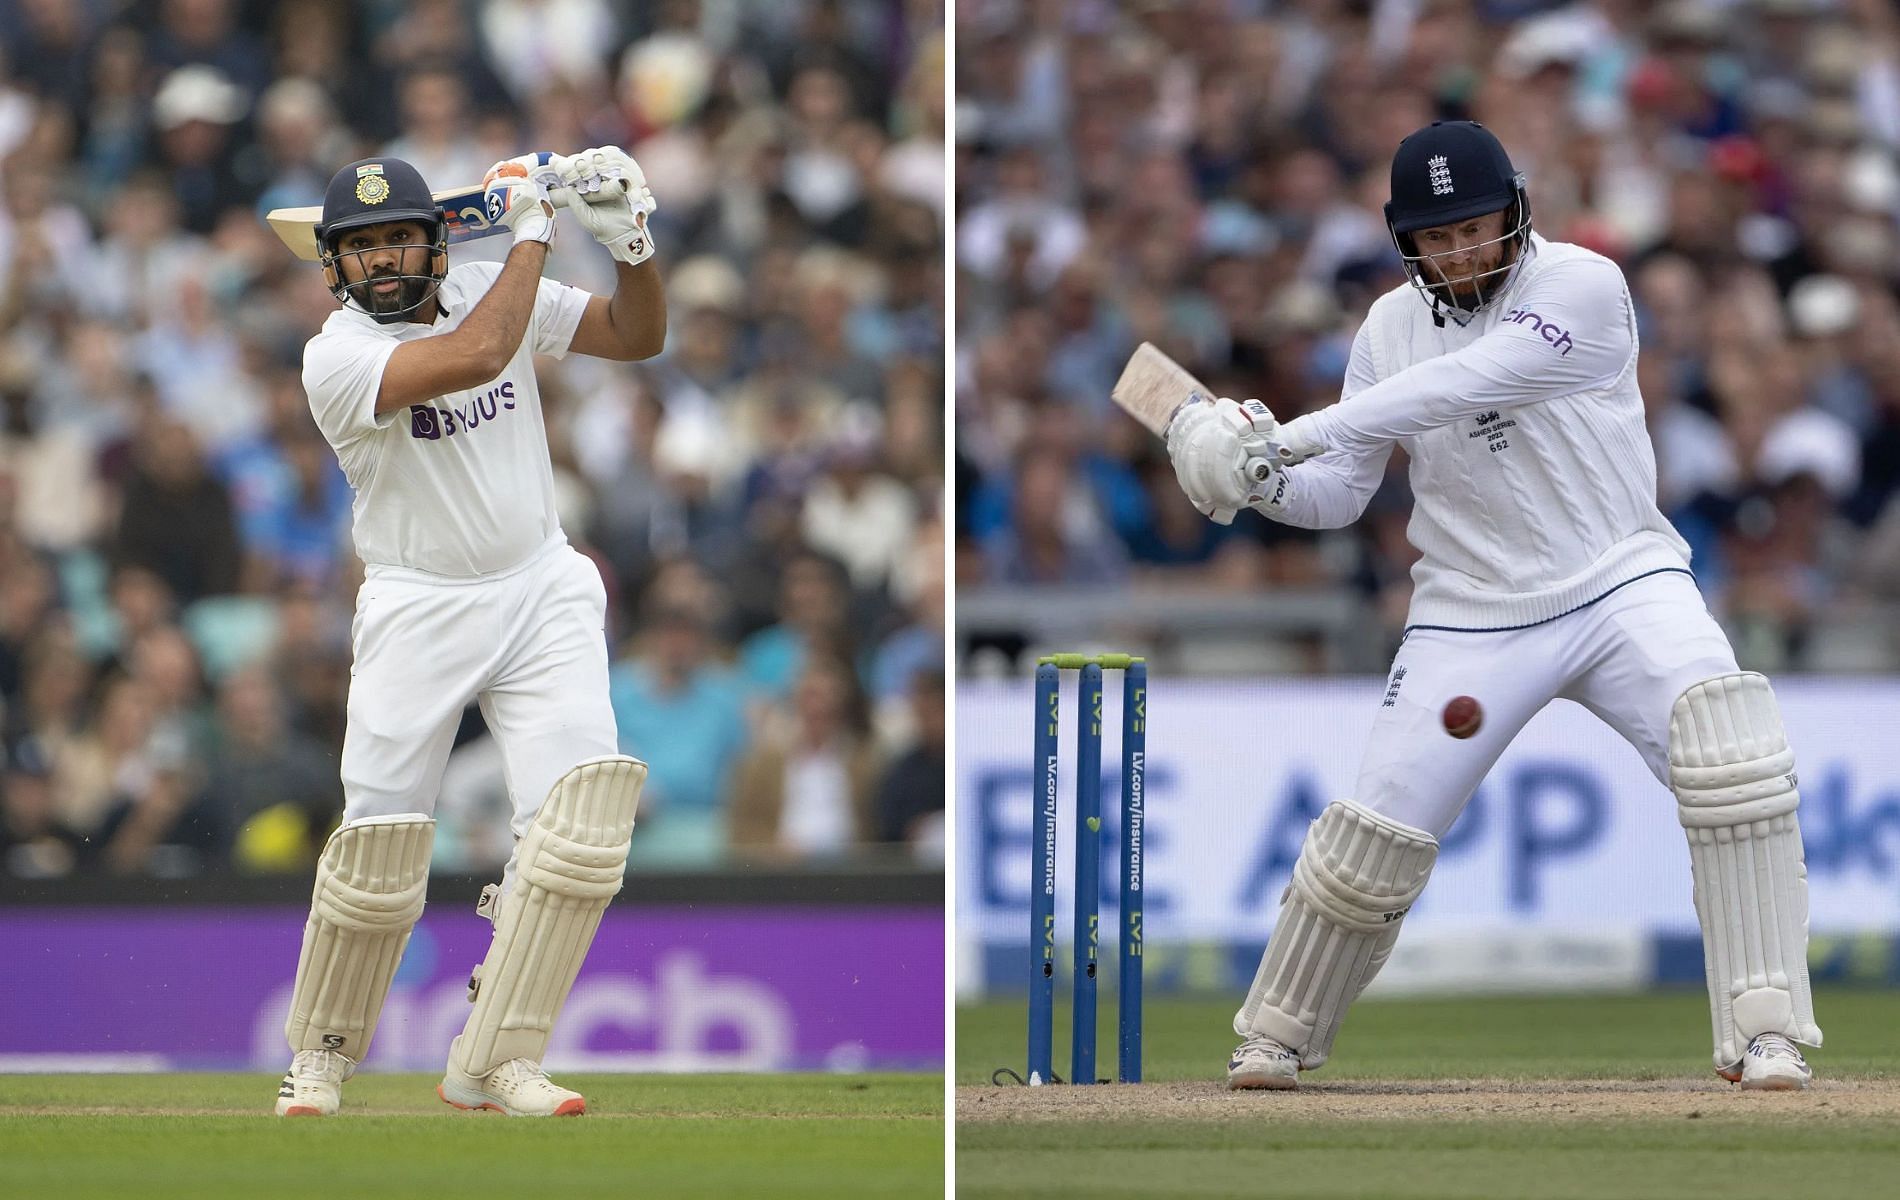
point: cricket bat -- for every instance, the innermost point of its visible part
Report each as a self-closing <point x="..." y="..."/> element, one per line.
<point x="1154" y="387"/>
<point x="461" y="207"/>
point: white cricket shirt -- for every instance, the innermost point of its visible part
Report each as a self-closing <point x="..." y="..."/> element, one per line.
<point x="1533" y="477"/>
<point x="460" y="486"/>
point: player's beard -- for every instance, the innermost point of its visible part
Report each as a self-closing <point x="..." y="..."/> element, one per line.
<point x="407" y="297"/>
<point x="1476" y="282"/>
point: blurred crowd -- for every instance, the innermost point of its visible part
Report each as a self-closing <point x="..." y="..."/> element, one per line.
<point x="764" y="499"/>
<point x="1209" y="175"/>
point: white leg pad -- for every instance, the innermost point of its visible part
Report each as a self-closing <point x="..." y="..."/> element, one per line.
<point x="371" y="882"/>
<point x="1357" y="876"/>
<point x="1733" y="775"/>
<point x="570" y="865"/>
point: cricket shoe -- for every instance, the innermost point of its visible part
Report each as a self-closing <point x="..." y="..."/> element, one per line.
<point x="518" y="1087"/>
<point x="1263" y="1064"/>
<point x="1770" y="1064"/>
<point x="313" y="1087"/>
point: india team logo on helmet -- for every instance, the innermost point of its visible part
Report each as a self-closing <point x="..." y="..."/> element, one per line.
<point x="371" y="187"/>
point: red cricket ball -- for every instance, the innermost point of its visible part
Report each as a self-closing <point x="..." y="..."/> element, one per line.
<point x="1463" y="715"/>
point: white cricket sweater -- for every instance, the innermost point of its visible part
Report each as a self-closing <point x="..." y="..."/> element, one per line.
<point x="1533" y="477"/>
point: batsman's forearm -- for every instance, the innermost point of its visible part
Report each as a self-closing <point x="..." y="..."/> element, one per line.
<point x="493" y="332"/>
<point x="638" y="309"/>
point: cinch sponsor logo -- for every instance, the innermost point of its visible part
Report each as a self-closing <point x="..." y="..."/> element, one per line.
<point x="1556" y="337"/>
<point x="430" y="423"/>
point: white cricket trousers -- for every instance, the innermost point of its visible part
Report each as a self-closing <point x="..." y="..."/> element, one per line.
<point x="1626" y="657"/>
<point x="529" y="644"/>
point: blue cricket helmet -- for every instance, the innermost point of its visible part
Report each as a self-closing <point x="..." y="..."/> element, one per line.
<point x="371" y="191"/>
<point x="1447" y="172"/>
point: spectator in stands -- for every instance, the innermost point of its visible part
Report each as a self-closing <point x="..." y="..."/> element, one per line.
<point x="28" y="593"/>
<point x="114" y="117"/>
<point x="856" y="513"/>
<point x="909" y="801"/>
<point x="141" y="603"/>
<point x="297" y="135"/>
<point x="438" y="139"/>
<point x="165" y="661"/>
<point x="209" y="32"/>
<point x="683" y="714"/>
<point x="917" y="645"/>
<point x="108" y="762"/>
<point x="34" y="842"/>
<point x="50" y="705"/>
<point x="194" y="115"/>
<point x="805" y="789"/>
<point x="1050" y="539"/>
<point x="293" y="529"/>
<point x="274" y="787"/>
<point x="813" y="616"/>
<point x="50" y="48"/>
<point x="176" y="520"/>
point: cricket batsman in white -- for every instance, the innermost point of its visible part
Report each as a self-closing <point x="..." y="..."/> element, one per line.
<point x="423" y="382"/>
<point x="1547" y="571"/>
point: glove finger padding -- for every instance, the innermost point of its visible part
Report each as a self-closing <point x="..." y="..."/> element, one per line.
<point x="1211" y="460"/>
<point x="616" y="199"/>
<point x="607" y="172"/>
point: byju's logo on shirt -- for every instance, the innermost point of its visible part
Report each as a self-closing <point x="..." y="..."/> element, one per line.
<point x="431" y="423"/>
<point x="1559" y="338"/>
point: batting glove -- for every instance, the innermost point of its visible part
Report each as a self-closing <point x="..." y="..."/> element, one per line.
<point x="616" y="201"/>
<point x="1225" y="455"/>
<point x="515" y="194"/>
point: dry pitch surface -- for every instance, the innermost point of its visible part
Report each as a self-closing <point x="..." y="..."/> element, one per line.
<point x="1431" y="1100"/>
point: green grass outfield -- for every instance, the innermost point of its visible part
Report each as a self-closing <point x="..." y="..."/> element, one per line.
<point x="209" y="1137"/>
<point x="1592" y="1098"/>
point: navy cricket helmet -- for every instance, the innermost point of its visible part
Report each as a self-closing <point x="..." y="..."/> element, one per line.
<point x="1447" y="172"/>
<point x="373" y="191"/>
